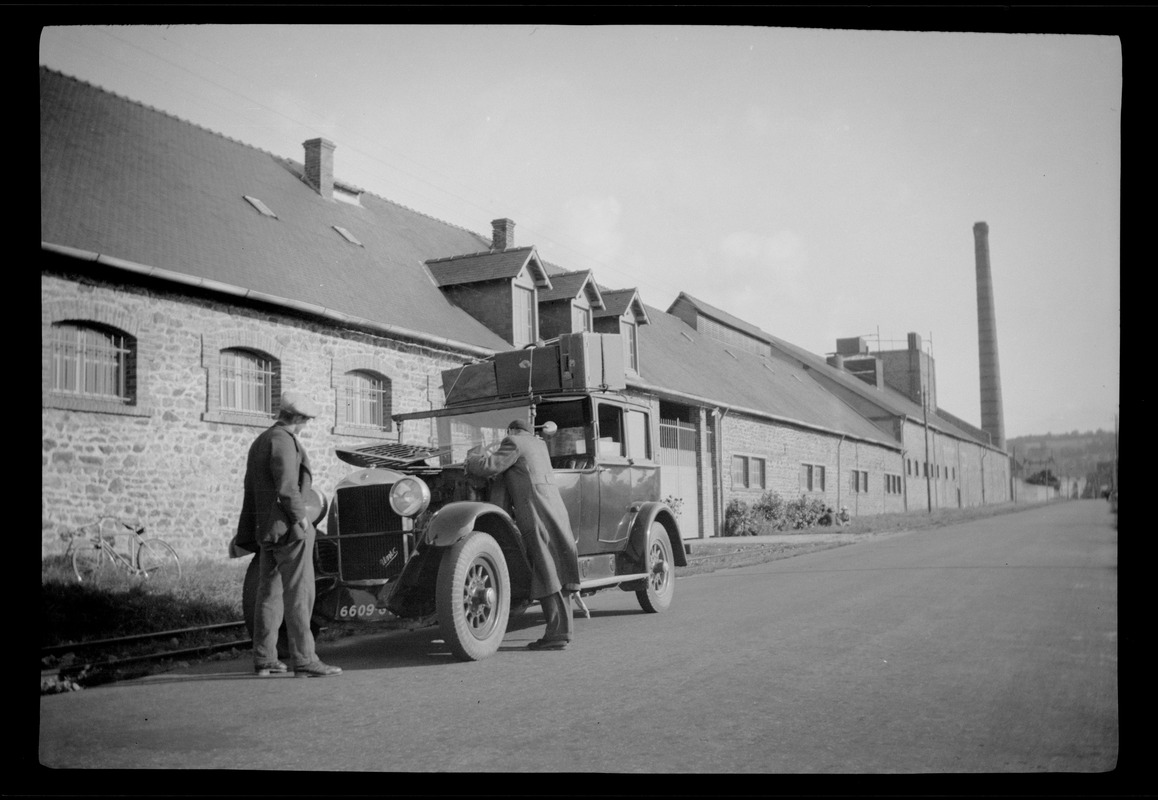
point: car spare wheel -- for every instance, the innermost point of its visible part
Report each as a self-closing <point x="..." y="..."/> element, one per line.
<point x="473" y="596"/>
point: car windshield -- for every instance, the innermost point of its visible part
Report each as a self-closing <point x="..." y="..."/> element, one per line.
<point x="452" y="435"/>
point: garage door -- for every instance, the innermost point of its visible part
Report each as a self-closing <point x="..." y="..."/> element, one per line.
<point x="678" y="475"/>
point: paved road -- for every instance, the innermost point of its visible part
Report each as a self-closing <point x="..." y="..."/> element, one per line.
<point x="988" y="647"/>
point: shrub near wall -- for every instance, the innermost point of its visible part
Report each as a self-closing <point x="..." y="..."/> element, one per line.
<point x="771" y="514"/>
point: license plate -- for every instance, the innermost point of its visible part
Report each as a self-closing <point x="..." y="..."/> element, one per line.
<point x="362" y="611"/>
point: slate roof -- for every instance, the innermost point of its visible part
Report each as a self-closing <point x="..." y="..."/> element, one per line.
<point x="569" y="285"/>
<point x="124" y="180"/>
<point x="488" y="266"/>
<point x="616" y="303"/>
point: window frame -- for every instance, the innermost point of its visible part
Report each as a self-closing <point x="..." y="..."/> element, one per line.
<point x="630" y="333"/>
<point x="749" y="463"/>
<point x="523" y="315"/>
<point x="247" y="374"/>
<point x="106" y="319"/>
<point x="859" y="482"/>
<point x="384" y="391"/>
<point x="812" y="470"/>
<point x="256" y="342"/>
<point x="91" y="356"/>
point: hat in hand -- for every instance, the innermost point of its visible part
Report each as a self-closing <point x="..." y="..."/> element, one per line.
<point x="296" y="402"/>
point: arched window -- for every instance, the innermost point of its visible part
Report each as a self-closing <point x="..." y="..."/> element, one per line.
<point x="246" y="382"/>
<point x="365" y="400"/>
<point x="92" y="361"/>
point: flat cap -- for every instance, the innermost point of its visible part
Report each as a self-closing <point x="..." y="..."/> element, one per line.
<point x="296" y="402"/>
<point x="519" y="425"/>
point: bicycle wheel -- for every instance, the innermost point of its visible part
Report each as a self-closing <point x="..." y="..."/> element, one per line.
<point x="157" y="562"/>
<point x="91" y="564"/>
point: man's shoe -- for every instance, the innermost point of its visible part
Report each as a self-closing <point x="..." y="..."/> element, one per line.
<point x="548" y="644"/>
<point x="264" y="668"/>
<point x="316" y="670"/>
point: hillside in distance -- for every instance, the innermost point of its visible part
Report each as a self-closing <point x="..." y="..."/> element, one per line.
<point x="1073" y="454"/>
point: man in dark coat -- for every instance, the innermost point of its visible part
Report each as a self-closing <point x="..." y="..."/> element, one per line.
<point x="525" y="466"/>
<point x="274" y="522"/>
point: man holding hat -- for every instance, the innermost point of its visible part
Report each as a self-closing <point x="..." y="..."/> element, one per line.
<point x="275" y="523"/>
<point x="524" y="463"/>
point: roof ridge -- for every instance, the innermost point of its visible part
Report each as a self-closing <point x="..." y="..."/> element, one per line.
<point x="479" y="253"/>
<point x="220" y="135"/>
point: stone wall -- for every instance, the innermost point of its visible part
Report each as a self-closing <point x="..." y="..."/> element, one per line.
<point x="172" y="463"/>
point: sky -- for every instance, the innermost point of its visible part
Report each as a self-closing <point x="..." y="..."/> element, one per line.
<point x="817" y="183"/>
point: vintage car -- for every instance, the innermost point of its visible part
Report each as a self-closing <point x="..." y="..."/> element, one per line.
<point x="410" y="536"/>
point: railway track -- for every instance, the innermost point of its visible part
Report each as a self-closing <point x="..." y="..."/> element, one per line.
<point x="107" y="650"/>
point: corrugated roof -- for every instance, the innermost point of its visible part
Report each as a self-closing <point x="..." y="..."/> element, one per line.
<point x="674" y="356"/>
<point x="887" y="398"/>
<point x="719" y="315"/>
<point x="124" y="180"/>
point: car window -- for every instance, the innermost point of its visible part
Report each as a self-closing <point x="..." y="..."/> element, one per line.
<point x="569" y="442"/>
<point x="611" y="443"/>
<point x="638" y="435"/>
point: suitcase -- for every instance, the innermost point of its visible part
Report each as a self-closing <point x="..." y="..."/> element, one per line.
<point x="469" y="382"/>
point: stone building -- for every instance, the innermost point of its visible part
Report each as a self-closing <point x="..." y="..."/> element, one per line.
<point x="187" y="279"/>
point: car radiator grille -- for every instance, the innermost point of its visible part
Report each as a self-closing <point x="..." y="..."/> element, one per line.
<point x="371" y="543"/>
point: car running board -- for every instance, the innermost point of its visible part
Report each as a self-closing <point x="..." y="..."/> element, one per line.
<point x="597" y="582"/>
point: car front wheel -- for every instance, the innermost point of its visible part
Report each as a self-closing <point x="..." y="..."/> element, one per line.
<point x="660" y="587"/>
<point x="473" y="597"/>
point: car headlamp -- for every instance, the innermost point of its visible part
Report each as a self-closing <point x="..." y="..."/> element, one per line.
<point x="409" y="497"/>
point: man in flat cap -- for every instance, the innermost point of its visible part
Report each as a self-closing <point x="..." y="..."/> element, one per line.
<point x="275" y="523"/>
<point x="524" y="463"/>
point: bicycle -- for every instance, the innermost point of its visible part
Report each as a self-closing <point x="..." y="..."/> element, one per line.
<point x="98" y="557"/>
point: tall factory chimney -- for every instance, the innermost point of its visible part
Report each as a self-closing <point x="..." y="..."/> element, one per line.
<point x="992" y="414"/>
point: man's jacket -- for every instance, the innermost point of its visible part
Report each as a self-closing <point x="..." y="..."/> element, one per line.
<point x="525" y="466"/>
<point x="277" y="475"/>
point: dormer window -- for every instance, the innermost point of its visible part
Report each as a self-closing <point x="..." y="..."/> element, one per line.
<point x="623" y="314"/>
<point x="498" y="288"/>
<point x="569" y="305"/>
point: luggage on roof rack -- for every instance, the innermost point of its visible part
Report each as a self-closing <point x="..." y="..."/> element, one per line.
<point x="573" y="362"/>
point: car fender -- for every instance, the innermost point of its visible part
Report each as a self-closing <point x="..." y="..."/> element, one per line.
<point x="455" y="521"/>
<point x="637" y="522"/>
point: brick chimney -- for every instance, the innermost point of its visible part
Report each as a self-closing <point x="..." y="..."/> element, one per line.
<point x="320" y="166"/>
<point x="504" y="234"/>
<point x="992" y="413"/>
